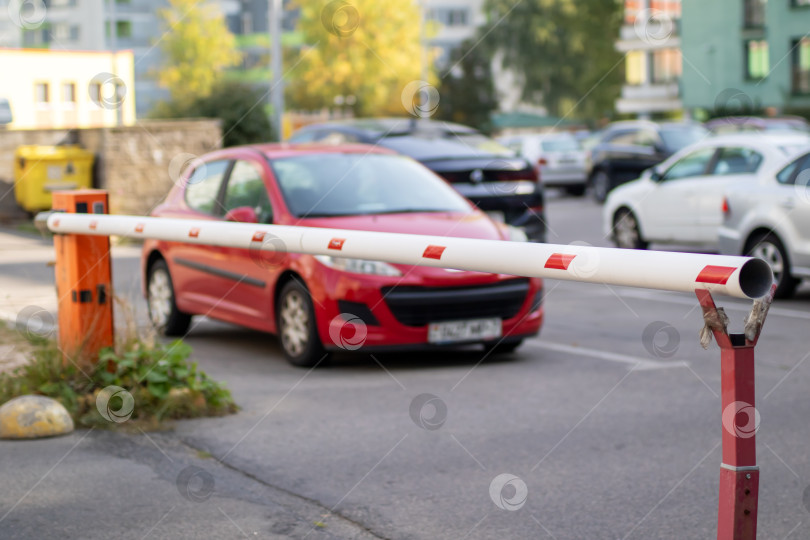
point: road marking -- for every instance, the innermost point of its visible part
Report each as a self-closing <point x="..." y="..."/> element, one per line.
<point x="637" y="363"/>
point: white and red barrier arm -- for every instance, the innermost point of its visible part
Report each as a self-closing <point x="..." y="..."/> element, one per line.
<point x="741" y="277"/>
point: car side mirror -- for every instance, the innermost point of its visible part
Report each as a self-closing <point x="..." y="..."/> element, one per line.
<point x="242" y="214"/>
<point x="653" y="175"/>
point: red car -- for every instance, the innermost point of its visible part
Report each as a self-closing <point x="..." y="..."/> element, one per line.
<point x="320" y="304"/>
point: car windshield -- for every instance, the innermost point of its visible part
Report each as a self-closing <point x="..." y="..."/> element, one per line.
<point x="676" y="138"/>
<point x="561" y="144"/>
<point x="335" y="184"/>
<point x="441" y="145"/>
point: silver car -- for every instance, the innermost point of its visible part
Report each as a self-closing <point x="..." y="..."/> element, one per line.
<point x="770" y="219"/>
<point x="559" y="157"/>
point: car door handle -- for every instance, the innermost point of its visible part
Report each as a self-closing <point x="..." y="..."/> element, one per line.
<point x="788" y="204"/>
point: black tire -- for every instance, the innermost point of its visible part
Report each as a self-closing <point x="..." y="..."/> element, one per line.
<point x="504" y="347"/>
<point x="164" y="314"/>
<point x="576" y="191"/>
<point x="769" y="248"/>
<point x="297" y="329"/>
<point x="601" y="184"/>
<point x="626" y="232"/>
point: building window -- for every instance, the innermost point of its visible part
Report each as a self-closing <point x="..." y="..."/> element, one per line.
<point x="636" y="65"/>
<point x="69" y="92"/>
<point x="801" y="3"/>
<point x="757" y="63"/>
<point x="666" y="66"/>
<point x="450" y="16"/>
<point x="801" y="65"/>
<point x="754" y="13"/>
<point x="41" y="93"/>
<point x="95" y="92"/>
<point x="123" y="29"/>
<point x="62" y="3"/>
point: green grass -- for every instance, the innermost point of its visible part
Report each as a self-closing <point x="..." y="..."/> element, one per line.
<point x="163" y="382"/>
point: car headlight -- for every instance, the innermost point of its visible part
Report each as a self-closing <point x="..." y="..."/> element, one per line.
<point x="358" y="266"/>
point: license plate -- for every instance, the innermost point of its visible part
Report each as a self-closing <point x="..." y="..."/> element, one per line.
<point x="470" y="330"/>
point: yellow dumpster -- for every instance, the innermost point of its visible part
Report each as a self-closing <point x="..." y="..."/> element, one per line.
<point x="40" y="170"/>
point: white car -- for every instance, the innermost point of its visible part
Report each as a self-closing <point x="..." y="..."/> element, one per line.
<point x="560" y="158"/>
<point x="680" y="200"/>
<point x="770" y="219"/>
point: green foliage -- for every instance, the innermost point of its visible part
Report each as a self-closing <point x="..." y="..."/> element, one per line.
<point x="467" y="92"/>
<point x="364" y="48"/>
<point x="239" y="106"/>
<point x="562" y="49"/>
<point x="197" y="47"/>
<point x="161" y="380"/>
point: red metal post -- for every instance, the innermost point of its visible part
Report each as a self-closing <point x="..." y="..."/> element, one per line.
<point x="739" y="473"/>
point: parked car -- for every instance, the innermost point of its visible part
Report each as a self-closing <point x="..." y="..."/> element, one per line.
<point x="625" y="149"/>
<point x="559" y="157"/>
<point x="778" y="124"/>
<point x="680" y="200"/>
<point x="770" y="219"/>
<point x="302" y="297"/>
<point x="481" y="169"/>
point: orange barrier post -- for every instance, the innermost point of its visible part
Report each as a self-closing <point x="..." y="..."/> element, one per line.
<point x="83" y="281"/>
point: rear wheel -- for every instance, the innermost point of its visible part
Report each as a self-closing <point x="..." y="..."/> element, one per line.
<point x="164" y="314"/>
<point x="600" y="181"/>
<point x="296" y="326"/>
<point x="769" y="248"/>
<point x="626" y="233"/>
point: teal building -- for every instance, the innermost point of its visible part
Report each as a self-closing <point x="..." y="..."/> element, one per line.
<point x="743" y="55"/>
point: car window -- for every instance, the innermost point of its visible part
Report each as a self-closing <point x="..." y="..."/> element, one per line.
<point x="335" y="184"/>
<point x="303" y="136"/>
<point x="246" y="188"/>
<point x="646" y="137"/>
<point x="796" y="172"/>
<point x="202" y="187"/>
<point x="622" y="137"/>
<point x="336" y="137"/>
<point x="693" y="164"/>
<point x="561" y="144"/>
<point x="737" y="161"/>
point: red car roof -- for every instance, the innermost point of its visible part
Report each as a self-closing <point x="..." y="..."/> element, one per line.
<point x="278" y="150"/>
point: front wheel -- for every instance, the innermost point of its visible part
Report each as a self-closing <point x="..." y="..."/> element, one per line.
<point x="296" y="326"/>
<point x="770" y="249"/>
<point x="164" y="314"/>
<point x="626" y="233"/>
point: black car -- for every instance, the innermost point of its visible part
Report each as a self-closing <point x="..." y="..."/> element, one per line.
<point x="485" y="172"/>
<point x="624" y="149"/>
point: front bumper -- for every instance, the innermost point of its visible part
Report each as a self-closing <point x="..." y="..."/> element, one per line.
<point x="373" y="313"/>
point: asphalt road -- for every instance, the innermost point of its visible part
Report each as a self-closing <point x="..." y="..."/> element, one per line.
<point x="607" y="428"/>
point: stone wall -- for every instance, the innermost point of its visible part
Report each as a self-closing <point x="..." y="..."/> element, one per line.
<point x="136" y="164"/>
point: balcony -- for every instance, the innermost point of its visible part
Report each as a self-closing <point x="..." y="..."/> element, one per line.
<point x="663" y="34"/>
<point x="649" y="98"/>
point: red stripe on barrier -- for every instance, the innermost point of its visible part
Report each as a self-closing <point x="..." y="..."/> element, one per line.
<point x="336" y="243"/>
<point x="559" y="261"/>
<point x="433" y="252"/>
<point x="257" y="236"/>
<point x="715" y="274"/>
<point x="194" y="232"/>
<point x="93" y="225"/>
<point x="139" y="228"/>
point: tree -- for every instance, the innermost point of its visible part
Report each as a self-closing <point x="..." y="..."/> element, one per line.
<point x="197" y="48"/>
<point x="238" y="105"/>
<point x="367" y="49"/>
<point x="564" y="50"/>
<point x="467" y="93"/>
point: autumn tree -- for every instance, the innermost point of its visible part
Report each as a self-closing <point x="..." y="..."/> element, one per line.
<point x="367" y="49"/>
<point x="563" y="50"/>
<point x="198" y="47"/>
